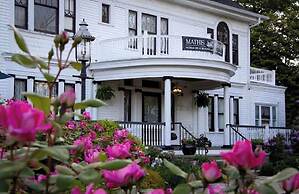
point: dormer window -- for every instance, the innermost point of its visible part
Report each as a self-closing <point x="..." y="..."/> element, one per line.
<point x="223" y="36"/>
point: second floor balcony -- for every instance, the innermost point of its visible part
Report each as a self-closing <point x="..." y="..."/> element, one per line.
<point x="160" y="46"/>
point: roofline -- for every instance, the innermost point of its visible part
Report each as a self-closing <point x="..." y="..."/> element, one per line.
<point x="258" y="17"/>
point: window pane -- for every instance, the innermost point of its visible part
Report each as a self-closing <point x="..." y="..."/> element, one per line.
<point x="41" y="88"/>
<point x="265" y="113"/>
<point x="105" y="13"/>
<point x="45" y="19"/>
<point x="68" y="23"/>
<point x="133" y="20"/>
<point x="149" y="23"/>
<point x="210" y="33"/>
<point x="20" y="17"/>
<point x="257" y="113"/>
<point x="235" y="49"/>
<point x="221" y="122"/>
<point x="164" y="26"/>
<point x="127" y="105"/>
<point x="220" y="105"/>
<point x="20" y="87"/>
<point x="69" y="86"/>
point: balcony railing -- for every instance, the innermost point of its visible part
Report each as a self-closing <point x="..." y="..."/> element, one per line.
<point x="162" y="46"/>
<point x="262" y="76"/>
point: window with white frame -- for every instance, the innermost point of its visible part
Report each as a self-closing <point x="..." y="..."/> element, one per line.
<point x="149" y="23"/>
<point x="20" y="86"/>
<point x="46" y="16"/>
<point x="211" y="114"/>
<point x="41" y="88"/>
<point x="21" y="13"/>
<point x="70" y="15"/>
<point x="105" y="13"/>
<point x="236" y="119"/>
<point x="265" y="115"/>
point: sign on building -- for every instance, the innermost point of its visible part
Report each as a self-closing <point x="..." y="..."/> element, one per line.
<point x="202" y="44"/>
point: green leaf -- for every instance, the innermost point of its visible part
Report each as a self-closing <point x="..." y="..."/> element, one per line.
<point x="115" y="164"/>
<point x="8" y="169"/>
<point x="20" y="40"/>
<point x="40" y="102"/>
<point x="64" y="170"/>
<point x="196" y="184"/>
<point x="58" y="153"/>
<point x="26" y="172"/>
<point x="89" y="175"/>
<point x="266" y="189"/>
<point x="64" y="182"/>
<point x="50" y="54"/>
<point x="232" y="172"/>
<point x="4" y="186"/>
<point x="76" y="65"/>
<point x="175" y="170"/>
<point x="50" y="78"/>
<point x="103" y="157"/>
<point x="88" y="103"/>
<point x="77" y="167"/>
<point x="24" y="60"/>
<point x="282" y="175"/>
<point x="182" y="189"/>
<point x="41" y="62"/>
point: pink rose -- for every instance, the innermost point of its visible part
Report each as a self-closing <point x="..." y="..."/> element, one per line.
<point x="89" y="190"/>
<point x="22" y="121"/>
<point x="91" y="156"/>
<point x="122" y="177"/>
<point x="215" y="189"/>
<point x="249" y="191"/>
<point x="120" y="151"/>
<point x="86" y="115"/>
<point x="211" y="171"/>
<point x="98" y="127"/>
<point x="121" y="134"/>
<point x="242" y="156"/>
<point x="68" y="97"/>
<point x="291" y="184"/>
<point x="71" y="125"/>
<point x="160" y="191"/>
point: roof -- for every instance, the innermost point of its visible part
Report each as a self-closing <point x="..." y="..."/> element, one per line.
<point x="230" y="3"/>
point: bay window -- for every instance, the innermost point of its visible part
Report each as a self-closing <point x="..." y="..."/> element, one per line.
<point x="21" y="14"/>
<point x="46" y="16"/>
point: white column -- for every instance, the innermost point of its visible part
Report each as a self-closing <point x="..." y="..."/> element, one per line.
<point x="216" y="125"/>
<point x="31" y="15"/>
<point x="30" y="84"/>
<point x="78" y="95"/>
<point x="231" y="110"/>
<point x="167" y="111"/>
<point x="60" y="87"/>
<point x="226" y="115"/>
<point x="11" y="86"/>
<point x="94" y="111"/>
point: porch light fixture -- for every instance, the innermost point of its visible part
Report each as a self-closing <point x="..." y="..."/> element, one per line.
<point x="83" y="53"/>
<point x="177" y="91"/>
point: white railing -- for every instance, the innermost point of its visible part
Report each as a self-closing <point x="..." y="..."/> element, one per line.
<point x="262" y="76"/>
<point x="241" y="132"/>
<point x="153" y="46"/>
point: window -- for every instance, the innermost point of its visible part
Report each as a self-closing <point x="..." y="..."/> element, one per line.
<point x="265" y="115"/>
<point x="211" y="114"/>
<point x="236" y="112"/>
<point x="106" y="13"/>
<point x="127" y="105"/>
<point x="221" y="123"/>
<point x="21" y="13"/>
<point x="19" y="88"/>
<point x="69" y="15"/>
<point x="164" y="26"/>
<point x="235" y="49"/>
<point x="128" y="82"/>
<point x="46" y="16"/>
<point x="223" y="36"/>
<point x="69" y="86"/>
<point x="132" y="23"/>
<point x="210" y="33"/>
<point x="149" y="23"/>
<point x="41" y="88"/>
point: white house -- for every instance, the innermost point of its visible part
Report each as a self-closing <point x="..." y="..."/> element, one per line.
<point x="155" y="54"/>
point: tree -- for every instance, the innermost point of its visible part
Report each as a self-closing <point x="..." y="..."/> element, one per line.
<point x="275" y="46"/>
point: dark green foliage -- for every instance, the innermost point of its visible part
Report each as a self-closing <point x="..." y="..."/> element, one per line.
<point x="105" y="93"/>
<point x="153" y="180"/>
<point x="275" y="46"/>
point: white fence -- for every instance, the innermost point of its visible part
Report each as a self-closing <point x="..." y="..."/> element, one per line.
<point x="262" y="76"/>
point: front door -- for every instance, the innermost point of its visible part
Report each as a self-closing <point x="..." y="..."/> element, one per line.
<point x="151" y="107"/>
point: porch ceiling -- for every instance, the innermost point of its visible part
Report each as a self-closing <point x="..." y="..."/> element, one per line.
<point x="211" y="73"/>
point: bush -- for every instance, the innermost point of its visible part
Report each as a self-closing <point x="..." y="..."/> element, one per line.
<point x="153" y="180"/>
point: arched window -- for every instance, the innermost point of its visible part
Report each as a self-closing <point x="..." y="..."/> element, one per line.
<point x="223" y="36"/>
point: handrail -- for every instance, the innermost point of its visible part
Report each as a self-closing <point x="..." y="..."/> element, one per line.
<point x="237" y="131"/>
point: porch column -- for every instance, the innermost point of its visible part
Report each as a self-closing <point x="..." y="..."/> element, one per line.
<point x="167" y="110"/>
<point x="30" y="84"/>
<point x="226" y="115"/>
<point x="11" y="85"/>
<point x="78" y="95"/>
<point x="60" y="87"/>
<point x="231" y="108"/>
<point x="94" y="111"/>
<point x="216" y="126"/>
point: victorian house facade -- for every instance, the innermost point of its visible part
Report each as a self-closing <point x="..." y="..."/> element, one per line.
<point x="155" y="55"/>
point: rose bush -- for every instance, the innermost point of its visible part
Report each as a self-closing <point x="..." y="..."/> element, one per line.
<point x="97" y="157"/>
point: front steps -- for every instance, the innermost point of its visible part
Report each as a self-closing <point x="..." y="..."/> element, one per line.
<point x="213" y="151"/>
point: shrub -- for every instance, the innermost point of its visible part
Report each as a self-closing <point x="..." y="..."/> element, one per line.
<point x="153" y="180"/>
